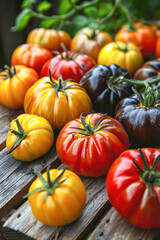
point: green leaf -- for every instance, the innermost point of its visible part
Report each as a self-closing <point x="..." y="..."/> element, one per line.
<point x="91" y="11"/>
<point x="80" y="21"/>
<point x="22" y="20"/>
<point x="65" y="6"/>
<point x="44" y="6"/>
<point x="48" y="23"/>
<point x="28" y="3"/>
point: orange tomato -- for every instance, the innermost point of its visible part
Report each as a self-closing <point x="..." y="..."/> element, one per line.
<point x="50" y="39"/>
<point x="90" y="41"/>
<point x="14" y="83"/>
<point x="126" y="55"/>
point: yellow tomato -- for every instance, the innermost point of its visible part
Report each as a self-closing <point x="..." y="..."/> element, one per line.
<point x="57" y="197"/>
<point x="29" y="137"/>
<point x="90" y="41"/>
<point x="50" y="39"/>
<point x="14" y="83"/>
<point x="56" y="100"/>
<point x="126" y="55"/>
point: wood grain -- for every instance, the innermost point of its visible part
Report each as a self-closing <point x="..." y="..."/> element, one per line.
<point x="6" y="116"/>
<point x="97" y="202"/>
<point x="16" y="176"/>
<point x="114" y="227"/>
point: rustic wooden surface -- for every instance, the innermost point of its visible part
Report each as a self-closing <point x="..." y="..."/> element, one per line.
<point x="98" y="218"/>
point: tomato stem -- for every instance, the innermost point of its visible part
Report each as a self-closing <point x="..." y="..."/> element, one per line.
<point x="7" y="72"/>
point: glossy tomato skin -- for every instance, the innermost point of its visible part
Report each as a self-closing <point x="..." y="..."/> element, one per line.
<point x="129" y="194"/>
<point x="142" y="124"/>
<point x="64" y="205"/>
<point x="50" y="39"/>
<point x="30" y="55"/>
<point x="143" y="36"/>
<point x="41" y="99"/>
<point x="158" y="47"/>
<point x="68" y="68"/>
<point x="91" y="156"/>
<point x="19" y="83"/>
<point x="128" y="57"/>
<point x="37" y="142"/>
<point x="96" y="82"/>
<point x="83" y="41"/>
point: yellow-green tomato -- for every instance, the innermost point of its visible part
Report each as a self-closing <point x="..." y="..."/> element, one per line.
<point x="126" y="55"/>
<point x="57" y="197"/>
<point x="29" y="137"/>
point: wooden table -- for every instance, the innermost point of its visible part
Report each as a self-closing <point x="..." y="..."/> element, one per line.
<point x="98" y="220"/>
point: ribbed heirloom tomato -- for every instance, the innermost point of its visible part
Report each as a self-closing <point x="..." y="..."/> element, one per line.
<point x="142" y="36"/>
<point x="14" y="83"/>
<point x="29" y="137"/>
<point x="57" y="197"/>
<point x="133" y="186"/>
<point x="90" y="41"/>
<point x="126" y="55"/>
<point x="89" y="145"/>
<point x="56" y="100"/>
<point x="30" y="55"/>
<point x="50" y="39"/>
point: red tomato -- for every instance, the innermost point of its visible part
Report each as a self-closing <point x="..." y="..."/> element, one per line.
<point x="158" y="47"/>
<point x="30" y="55"/>
<point x="143" y="36"/>
<point x="89" y="145"/>
<point x="68" y="65"/>
<point x="133" y="187"/>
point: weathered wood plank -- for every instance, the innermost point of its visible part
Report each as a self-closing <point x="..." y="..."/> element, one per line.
<point x="16" y="176"/>
<point x="114" y="227"/>
<point x="23" y="221"/>
<point x="6" y="116"/>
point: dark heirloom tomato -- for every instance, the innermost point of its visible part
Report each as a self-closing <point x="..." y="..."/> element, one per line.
<point x="89" y="145"/>
<point x="141" y="123"/>
<point x="104" y="88"/>
<point x="133" y="187"/>
<point x="149" y="69"/>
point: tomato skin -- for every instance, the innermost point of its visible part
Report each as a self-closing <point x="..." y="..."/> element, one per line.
<point x="30" y="55"/>
<point x="129" y="194"/>
<point x="64" y="205"/>
<point x="68" y="68"/>
<point x="41" y="99"/>
<point x="143" y="36"/>
<point x="113" y="53"/>
<point x="36" y="143"/>
<point x="19" y="83"/>
<point x="49" y="38"/>
<point x="91" y="156"/>
<point x="82" y="42"/>
<point x="141" y="123"/>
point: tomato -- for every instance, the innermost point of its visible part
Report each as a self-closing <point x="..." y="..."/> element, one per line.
<point x="90" y="41"/>
<point x="105" y="88"/>
<point x="69" y="65"/>
<point x="89" y="145"/>
<point x="143" y="36"/>
<point x="141" y="121"/>
<point x="29" y="137"/>
<point x="133" y="187"/>
<point x="56" y="100"/>
<point x="50" y="39"/>
<point x="158" y="47"/>
<point x="126" y="55"/>
<point x="57" y="197"/>
<point x="17" y="79"/>
<point x="30" y="55"/>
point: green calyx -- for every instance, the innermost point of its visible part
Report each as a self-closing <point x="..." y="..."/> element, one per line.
<point x="20" y="134"/>
<point x="150" y="176"/>
<point x="48" y="185"/>
<point x="7" y="72"/>
<point x="88" y="130"/>
<point x="125" y="48"/>
<point x="115" y="82"/>
<point x="61" y="85"/>
<point x="66" y="57"/>
<point x="92" y="35"/>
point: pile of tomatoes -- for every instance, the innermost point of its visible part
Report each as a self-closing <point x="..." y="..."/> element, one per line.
<point x="102" y="96"/>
